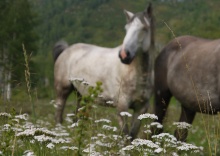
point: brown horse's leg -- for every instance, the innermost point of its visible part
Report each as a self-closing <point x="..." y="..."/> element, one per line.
<point x="162" y="99"/>
<point x="136" y="123"/>
<point x="188" y="117"/>
<point x="62" y="95"/>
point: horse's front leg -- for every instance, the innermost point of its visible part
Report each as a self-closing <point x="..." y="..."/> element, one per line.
<point x="136" y="123"/>
<point x="188" y="117"/>
<point x="123" y="123"/>
<point x="123" y="119"/>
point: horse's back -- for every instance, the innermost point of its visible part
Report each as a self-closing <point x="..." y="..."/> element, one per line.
<point x="191" y="69"/>
<point x="92" y="63"/>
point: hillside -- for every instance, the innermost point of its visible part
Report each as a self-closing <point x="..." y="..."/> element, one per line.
<point x="101" y="22"/>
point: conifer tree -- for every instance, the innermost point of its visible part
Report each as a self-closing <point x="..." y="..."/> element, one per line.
<point x="17" y="28"/>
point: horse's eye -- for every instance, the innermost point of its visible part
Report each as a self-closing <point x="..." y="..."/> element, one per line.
<point x="145" y="28"/>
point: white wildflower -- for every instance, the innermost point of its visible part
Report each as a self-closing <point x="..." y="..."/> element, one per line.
<point x="52" y="102"/>
<point x="125" y="114"/>
<point x="110" y="102"/>
<point x="5" y="115"/>
<point x="189" y="147"/>
<point x="102" y="120"/>
<point x="82" y="108"/>
<point x="94" y="138"/>
<point x="182" y="125"/>
<point x="28" y="153"/>
<point x="68" y="119"/>
<point x="43" y="138"/>
<point x="116" y="137"/>
<point x="157" y="124"/>
<point x="73" y="125"/>
<point x="22" y="117"/>
<point x="159" y="150"/>
<point x="107" y="127"/>
<point x="32" y="141"/>
<point x="58" y="141"/>
<point x="69" y="148"/>
<point x="128" y="148"/>
<point x="70" y="115"/>
<point x="6" y="127"/>
<point x="174" y="154"/>
<point x="50" y="146"/>
<point x="16" y="120"/>
<point x="27" y="132"/>
<point x="141" y="142"/>
<point x="103" y="144"/>
<point x="147" y="131"/>
<point x="147" y="116"/>
<point x="90" y="149"/>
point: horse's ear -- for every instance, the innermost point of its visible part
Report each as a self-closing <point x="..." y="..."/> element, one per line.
<point x="128" y="15"/>
<point x="149" y="11"/>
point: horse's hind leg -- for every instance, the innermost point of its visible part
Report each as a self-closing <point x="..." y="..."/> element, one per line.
<point x="188" y="117"/>
<point x="62" y="95"/>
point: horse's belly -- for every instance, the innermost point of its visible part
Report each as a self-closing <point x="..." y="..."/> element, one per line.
<point x="199" y="96"/>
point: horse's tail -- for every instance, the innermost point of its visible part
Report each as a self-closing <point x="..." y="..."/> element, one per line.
<point x="58" y="48"/>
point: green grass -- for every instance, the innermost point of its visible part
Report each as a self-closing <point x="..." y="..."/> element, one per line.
<point x="45" y="118"/>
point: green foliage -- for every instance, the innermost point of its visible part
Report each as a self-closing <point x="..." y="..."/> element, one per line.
<point x="84" y="115"/>
<point x="17" y="28"/>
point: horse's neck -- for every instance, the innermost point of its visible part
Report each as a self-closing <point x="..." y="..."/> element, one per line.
<point x="144" y="69"/>
<point x="142" y="63"/>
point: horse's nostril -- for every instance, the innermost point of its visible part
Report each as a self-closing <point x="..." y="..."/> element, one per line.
<point x="128" y="53"/>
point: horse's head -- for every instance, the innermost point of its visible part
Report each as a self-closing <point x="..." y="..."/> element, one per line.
<point x="138" y="34"/>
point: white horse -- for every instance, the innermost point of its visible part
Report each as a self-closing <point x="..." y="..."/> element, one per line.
<point x="125" y="71"/>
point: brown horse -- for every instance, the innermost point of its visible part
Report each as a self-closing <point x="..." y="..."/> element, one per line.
<point x="188" y="68"/>
<point x="125" y="71"/>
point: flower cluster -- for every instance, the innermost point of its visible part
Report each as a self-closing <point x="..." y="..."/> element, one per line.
<point x="147" y="116"/>
<point x="125" y="114"/>
<point x="182" y="125"/>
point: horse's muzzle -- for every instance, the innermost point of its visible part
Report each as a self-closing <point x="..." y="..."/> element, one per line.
<point x="125" y="57"/>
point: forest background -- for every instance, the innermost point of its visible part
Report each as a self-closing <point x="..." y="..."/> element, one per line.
<point x="34" y="26"/>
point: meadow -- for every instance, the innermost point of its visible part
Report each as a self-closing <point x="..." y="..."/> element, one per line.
<point x="97" y="131"/>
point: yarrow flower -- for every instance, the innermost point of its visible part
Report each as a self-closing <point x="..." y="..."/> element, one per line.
<point x="157" y="124"/>
<point x="70" y="115"/>
<point x="182" y="125"/>
<point x="22" y="117"/>
<point x="159" y="150"/>
<point x="74" y="125"/>
<point x="50" y="146"/>
<point x="147" y="116"/>
<point x="110" y="102"/>
<point x="189" y="147"/>
<point x="125" y="114"/>
<point x="102" y="120"/>
<point x="69" y="148"/>
<point x="5" y="115"/>
<point x="28" y="153"/>
<point x="6" y="127"/>
<point x="128" y="148"/>
<point x="107" y="127"/>
<point x="141" y="142"/>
